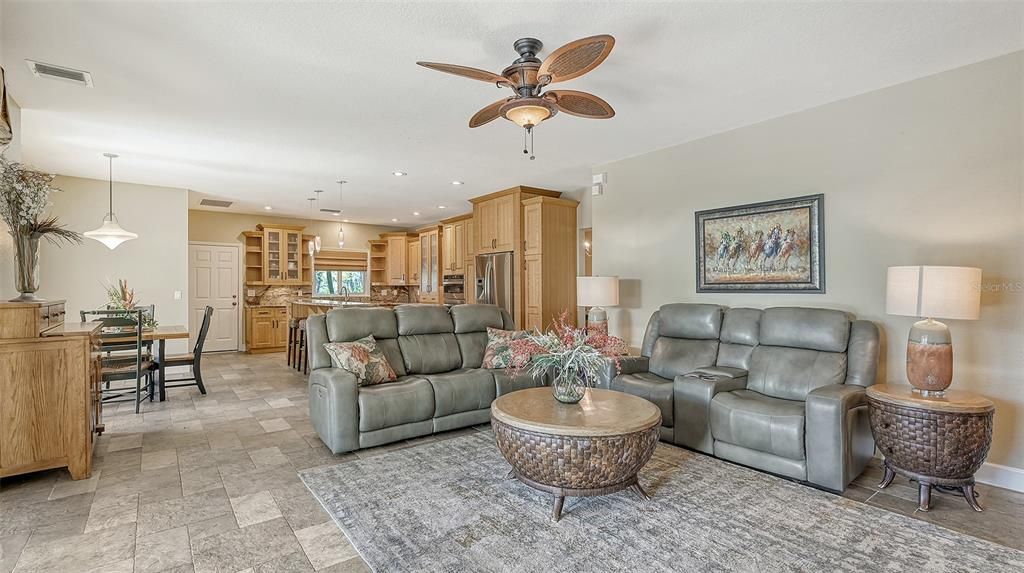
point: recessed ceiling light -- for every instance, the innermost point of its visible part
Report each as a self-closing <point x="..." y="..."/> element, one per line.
<point x="268" y="207"/>
<point x="335" y="214"/>
<point x="441" y="207"/>
<point x="399" y="173"/>
<point x="344" y="220"/>
<point x="457" y="182"/>
<point x="394" y="220"/>
<point x="416" y="213"/>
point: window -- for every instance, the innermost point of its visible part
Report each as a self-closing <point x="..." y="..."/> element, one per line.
<point x="331" y="282"/>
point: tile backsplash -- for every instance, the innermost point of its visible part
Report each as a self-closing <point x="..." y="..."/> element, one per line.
<point x="394" y="294"/>
<point x="276" y="295"/>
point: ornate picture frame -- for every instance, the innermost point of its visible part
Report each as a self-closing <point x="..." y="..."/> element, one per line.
<point x="774" y="246"/>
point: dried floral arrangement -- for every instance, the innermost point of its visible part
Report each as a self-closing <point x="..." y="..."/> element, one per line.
<point x="24" y="197"/>
<point x="567" y="349"/>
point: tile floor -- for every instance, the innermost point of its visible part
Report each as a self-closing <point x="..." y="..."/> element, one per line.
<point x="209" y="483"/>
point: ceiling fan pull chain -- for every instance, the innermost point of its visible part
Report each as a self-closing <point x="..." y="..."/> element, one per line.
<point x="531" y="146"/>
<point x="526" y="130"/>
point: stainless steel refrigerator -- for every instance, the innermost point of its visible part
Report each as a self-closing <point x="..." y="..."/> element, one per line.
<point x="494" y="280"/>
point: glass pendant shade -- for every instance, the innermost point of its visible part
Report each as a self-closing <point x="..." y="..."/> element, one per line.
<point x="110" y="232"/>
<point x="312" y="248"/>
<point x="317" y="243"/>
<point x="341" y="238"/>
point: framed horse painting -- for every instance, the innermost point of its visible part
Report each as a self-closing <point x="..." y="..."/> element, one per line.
<point x="776" y="246"/>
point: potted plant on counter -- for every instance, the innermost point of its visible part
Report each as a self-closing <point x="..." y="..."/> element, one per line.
<point x="572" y="355"/>
<point x="24" y="197"/>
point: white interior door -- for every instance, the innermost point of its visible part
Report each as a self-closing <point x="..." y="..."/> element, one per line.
<point x="213" y="281"/>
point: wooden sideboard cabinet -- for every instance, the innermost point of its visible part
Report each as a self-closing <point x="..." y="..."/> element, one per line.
<point x="50" y="408"/>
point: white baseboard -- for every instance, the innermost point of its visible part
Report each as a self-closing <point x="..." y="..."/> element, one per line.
<point x="1001" y="476"/>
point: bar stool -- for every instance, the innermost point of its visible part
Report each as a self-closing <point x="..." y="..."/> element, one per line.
<point x="302" y="362"/>
<point x="293" y="341"/>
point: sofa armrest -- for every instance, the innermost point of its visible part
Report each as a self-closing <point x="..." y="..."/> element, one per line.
<point x="691" y="401"/>
<point x="334" y="408"/>
<point x="626" y="365"/>
<point x="838" y="435"/>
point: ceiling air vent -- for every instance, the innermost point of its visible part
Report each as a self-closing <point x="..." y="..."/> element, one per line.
<point x="215" y="203"/>
<point x="331" y="211"/>
<point x="41" y="70"/>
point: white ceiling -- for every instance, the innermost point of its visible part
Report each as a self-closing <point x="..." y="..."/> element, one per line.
<point x="261" y="103"/>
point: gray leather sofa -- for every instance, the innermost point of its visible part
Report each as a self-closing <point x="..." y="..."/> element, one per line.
<point x="437" y="354"/>
<point x="780" y="389"/>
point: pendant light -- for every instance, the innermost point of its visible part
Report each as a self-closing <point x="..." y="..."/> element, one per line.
<point x="341" y="200"/>
<point x="312" y="242"/>
<point x="316" y="239"/>
<point x="110" y="232"/>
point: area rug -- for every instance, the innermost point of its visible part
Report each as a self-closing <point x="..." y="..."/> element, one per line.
<point x="446" y="506"/>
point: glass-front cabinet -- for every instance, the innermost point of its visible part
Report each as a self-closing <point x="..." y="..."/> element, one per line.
<point x="282" y="255"/>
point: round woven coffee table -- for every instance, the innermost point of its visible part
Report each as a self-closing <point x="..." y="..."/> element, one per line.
<point x="595" y="447"/>
<point x="938" y="441"/>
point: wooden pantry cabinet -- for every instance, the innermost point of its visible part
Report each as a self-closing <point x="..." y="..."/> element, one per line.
<point x="539" y="228"/>
<point x="412" y="261"/>
<point x="549" y="260"/>
<point x="397" y="257"/>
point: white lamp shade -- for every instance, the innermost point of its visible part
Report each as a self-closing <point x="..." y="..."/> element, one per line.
<point x="597" y="291"/>
<point x="110" y="234"/>
<point x="934" y="292"/>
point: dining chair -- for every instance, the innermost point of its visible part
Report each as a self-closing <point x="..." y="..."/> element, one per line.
<point x="130" y="360"/>
<point x="119" y="317"/>
<point x="193" y="359"/>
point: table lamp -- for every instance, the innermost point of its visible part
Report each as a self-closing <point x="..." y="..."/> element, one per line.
<point x="929" y="293"/>
<point x="597" y="292"/>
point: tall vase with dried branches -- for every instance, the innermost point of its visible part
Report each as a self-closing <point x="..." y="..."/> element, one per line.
<point x="24" y="197"/>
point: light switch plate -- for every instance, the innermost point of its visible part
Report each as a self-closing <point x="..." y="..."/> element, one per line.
<point x="250" y="292"/>
<point x="597" y="189"/>
<point x="177" y="295"/>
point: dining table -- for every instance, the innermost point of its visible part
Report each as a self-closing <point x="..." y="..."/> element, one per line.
<point x="158" y="335"/>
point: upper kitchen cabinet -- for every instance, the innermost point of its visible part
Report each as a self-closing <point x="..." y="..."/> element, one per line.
<point x="454" y="243"/>
<point x="497" y="218"/>
<point x="431" y="261"/>
<point x="276" y="255"/>
<point x="397" y="257"/>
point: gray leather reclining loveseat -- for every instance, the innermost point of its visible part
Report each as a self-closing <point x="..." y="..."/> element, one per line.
<point x="437" y="355"/>
<point x="780" y="389"/>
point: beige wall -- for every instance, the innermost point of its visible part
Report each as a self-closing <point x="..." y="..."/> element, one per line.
<point x="926" y="172"/>
<point x="155" y="264"/>
<point x="228" y="228"/>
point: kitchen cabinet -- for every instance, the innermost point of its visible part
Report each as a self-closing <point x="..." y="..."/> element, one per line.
<point x="539" y="228"/>
<point x="430" y="265"/>
<point x="266" y="329"/>
<point x="277" y="255"/>
<point x="397" y="261"/>
<point x="454" y="239"/>
<point x="412" y="260"/>
<point x="496" y="223"/>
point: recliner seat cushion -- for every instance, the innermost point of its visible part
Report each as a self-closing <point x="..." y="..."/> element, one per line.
<point x="461" y="391"/>
<point x="758" y="422"/>
<point x="409" y="399"/>
<point x="673" y="357"/>
<point x="791" y="373"/>
<point x="651" y="387"/>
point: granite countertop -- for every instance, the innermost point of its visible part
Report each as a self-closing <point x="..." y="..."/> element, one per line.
<point x="330" y="302"/>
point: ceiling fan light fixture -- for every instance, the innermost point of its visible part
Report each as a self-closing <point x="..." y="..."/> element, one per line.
<point x="527" y="112"/>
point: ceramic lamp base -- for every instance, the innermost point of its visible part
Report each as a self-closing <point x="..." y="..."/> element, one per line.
<point x="930" y="357"/>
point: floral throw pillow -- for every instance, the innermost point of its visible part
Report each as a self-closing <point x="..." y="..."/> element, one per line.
<point x="363" y="358"/>
<point x="498" y="353"/>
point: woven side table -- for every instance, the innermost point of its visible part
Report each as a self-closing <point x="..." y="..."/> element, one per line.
<point x="936" y="441"/>
<point x="595" y="447"/>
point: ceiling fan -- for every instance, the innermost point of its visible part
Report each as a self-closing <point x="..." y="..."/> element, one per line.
<point x="528" y="76"/>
